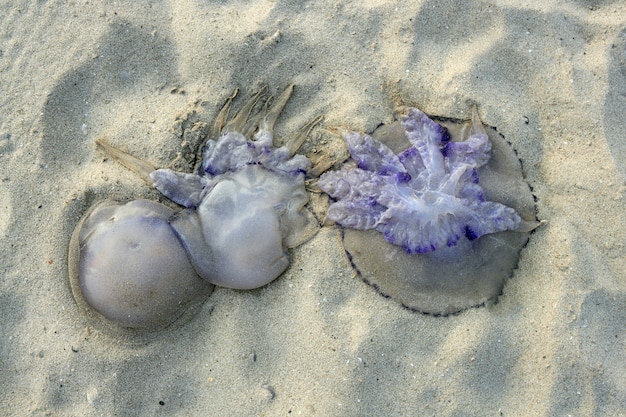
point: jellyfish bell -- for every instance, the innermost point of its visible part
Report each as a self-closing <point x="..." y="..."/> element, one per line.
<point x="434" y="213"/>
<point x="127" y="265"/>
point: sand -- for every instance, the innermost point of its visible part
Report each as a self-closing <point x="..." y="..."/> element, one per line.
<point x="551" y="76"/>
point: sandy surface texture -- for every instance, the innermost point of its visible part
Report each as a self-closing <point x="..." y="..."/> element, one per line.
<point x="550" y="75"/>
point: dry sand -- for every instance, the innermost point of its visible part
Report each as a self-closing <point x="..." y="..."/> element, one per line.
<point x="550" y="75"/>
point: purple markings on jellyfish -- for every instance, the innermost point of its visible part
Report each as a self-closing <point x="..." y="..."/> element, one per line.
<point x="139" y="264"/>
<point x="434" y="215"/>
<point x="426" y="197"/>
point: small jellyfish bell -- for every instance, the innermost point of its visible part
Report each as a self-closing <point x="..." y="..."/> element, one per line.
<point x="126" y="263"/>
<point x="434" y="214"/>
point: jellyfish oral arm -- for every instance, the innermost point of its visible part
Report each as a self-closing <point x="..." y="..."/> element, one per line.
<point x="425" y="198"/>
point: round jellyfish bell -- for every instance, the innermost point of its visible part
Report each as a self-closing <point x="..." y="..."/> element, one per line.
<point x="127" y="264"/>
<point x="434" y="214"/>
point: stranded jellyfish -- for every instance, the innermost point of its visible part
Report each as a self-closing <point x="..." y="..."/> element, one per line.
<point x="139" y="263"/>
<point x="433" y="214"/>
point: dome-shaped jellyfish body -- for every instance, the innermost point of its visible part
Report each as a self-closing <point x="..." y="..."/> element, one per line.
<point x="238" y="235"/>
<point x="126" y="263"/>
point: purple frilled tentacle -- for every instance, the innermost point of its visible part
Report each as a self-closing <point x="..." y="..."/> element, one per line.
<point x="425" y="198"/>
<point x="228" y="154"/>
<point x="232" y="151"/>
<point x="371" y="155"/>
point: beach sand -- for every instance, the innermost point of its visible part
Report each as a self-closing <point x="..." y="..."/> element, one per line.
<point x="550" y="75"/>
